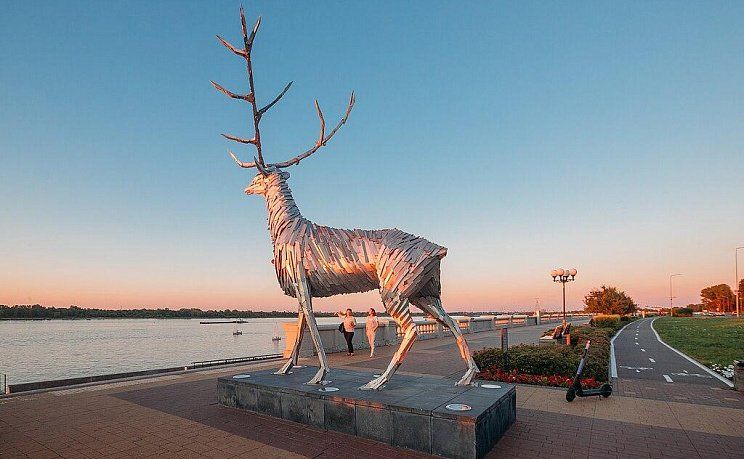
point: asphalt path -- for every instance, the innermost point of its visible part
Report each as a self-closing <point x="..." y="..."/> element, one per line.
<point x="640" y="355"/>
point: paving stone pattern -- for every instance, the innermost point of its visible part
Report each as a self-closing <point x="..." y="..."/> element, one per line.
<point x="179" y="416"/>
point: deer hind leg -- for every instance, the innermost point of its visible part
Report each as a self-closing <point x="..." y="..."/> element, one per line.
<point x="433" y="305"/>
<point x="398" y="308"/>
<point x="292" y="361"/>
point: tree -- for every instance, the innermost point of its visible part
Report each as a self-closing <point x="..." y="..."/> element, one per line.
<point x="718" y="298"/>
<point x="741" y="295"/>
<point x="609" y="300"/>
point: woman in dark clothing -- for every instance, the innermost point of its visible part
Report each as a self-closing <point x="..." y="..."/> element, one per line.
<point x="349" y="325"/>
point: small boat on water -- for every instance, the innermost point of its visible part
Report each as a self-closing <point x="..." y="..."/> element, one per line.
<point x="237" y="332"/>
<point x="275" y="336"/>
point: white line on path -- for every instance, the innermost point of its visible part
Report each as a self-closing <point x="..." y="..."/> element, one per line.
<point x="643" y="350"/>
<point x="652" y="360"/>
<point x="613" y="363"/>
<point x="668" y="379"/>
<point x="711" y="372"/>
<point x="637" y="344"/>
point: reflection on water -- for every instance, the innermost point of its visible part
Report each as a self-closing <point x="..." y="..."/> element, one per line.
<point x="55" y="349"/>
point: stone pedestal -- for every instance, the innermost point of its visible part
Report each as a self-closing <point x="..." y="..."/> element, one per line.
<point x="409" y="412"/>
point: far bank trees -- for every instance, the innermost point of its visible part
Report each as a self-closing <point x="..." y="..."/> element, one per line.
<point x="609" y="300"/>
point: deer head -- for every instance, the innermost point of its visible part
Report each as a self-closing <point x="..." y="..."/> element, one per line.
<point x="267" y="170"/>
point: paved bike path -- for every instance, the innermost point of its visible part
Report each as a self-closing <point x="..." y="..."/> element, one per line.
<point x="640" y="355"/>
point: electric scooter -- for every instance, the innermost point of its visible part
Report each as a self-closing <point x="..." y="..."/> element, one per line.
<point x="575" y="389"/>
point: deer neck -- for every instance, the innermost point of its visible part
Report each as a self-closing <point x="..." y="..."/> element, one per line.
<point x="281" y="207"/>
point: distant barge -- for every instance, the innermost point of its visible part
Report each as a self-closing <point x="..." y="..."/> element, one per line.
<point x="238" y="321"/>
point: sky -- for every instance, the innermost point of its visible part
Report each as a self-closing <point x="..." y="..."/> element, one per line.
<point x="523" y="136"/>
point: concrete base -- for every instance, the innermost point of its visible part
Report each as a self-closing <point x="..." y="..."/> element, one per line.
<point x="409" y="412"/>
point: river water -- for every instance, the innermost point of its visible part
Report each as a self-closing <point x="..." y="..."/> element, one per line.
<point x="39" y="350"/>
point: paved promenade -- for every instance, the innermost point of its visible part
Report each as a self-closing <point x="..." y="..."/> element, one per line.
<point x="177" y="416"/>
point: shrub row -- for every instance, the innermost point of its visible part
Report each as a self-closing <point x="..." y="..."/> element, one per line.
<point x="683" y="312"/>
<point x="546" y="365"/>
<point x="554" y="360"/>
<point x="612" y="321"/>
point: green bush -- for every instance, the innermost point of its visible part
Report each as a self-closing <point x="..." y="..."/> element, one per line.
<point x="549" y="360"/>
<point x="606" y="321"/>
<point x="599" y="336"/>
<point x="683" y="312"/>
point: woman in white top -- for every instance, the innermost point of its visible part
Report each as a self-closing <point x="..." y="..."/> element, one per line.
<point x="349" y="325"/>
<point x="371" y="328"/>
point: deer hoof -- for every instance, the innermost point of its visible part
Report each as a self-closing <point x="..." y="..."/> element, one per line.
<point x="467" y="379"/>
<point x="318" y="378"/>
<point x="375" y="384"/>
<point x="285" y="368"/>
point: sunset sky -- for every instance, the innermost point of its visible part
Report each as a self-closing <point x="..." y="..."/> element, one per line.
<point x="523" y="136"/>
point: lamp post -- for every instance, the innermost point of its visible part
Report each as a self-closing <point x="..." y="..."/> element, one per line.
<point x="736" y="282"/>
<point x="671" y="295"/>
<point x="563" y="275"/>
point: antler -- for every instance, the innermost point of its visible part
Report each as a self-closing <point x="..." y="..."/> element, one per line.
<point x="322" y="139"/>
<point x="258" y="113"/>
<point x="251" y="96"/>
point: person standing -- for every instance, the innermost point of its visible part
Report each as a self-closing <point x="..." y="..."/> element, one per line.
<point x="349" y="326"/>
<point x="371" y="329"/>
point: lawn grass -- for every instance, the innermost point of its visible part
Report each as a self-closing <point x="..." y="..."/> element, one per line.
<point x="709" y="340"/>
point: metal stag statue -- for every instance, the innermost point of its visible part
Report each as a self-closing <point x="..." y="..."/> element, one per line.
<point x="319" y="261"/>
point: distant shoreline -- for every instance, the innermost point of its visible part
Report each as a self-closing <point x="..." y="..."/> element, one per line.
<point x="38" y="312"/>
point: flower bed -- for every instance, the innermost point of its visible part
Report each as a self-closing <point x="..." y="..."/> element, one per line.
<point x="515" y="377"/>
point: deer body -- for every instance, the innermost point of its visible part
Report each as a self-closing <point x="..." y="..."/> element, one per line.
<point x="319" y="261"/>
<point x="339" y="260"/>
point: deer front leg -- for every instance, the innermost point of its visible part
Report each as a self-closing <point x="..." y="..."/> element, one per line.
<point x="306" y="303"/>
<point x="408" y="338"/>
<point x="292" y="361"/>
<point x="398" y="310"/>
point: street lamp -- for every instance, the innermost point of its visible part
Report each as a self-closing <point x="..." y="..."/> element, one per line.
<point x="736" y="282"/>
<point x="671" y="296"/>
<point x="563" y="275"/>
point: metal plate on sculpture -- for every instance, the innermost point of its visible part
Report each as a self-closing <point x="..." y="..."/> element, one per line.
<point x="458" y="407"/>
<point x="241" y="376"/>
<point x="328" y="389"/>
<point x="490" y="386"/>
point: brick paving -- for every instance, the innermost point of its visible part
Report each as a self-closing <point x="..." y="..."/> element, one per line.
<point x="178" y="416"/>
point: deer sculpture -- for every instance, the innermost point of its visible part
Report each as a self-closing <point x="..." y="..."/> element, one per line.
<point x="319" y="261"/>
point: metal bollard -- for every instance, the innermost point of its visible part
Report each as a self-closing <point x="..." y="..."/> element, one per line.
<point x="505" y="347"/>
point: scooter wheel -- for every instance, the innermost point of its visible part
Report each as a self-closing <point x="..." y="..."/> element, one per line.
<point x="570" y="394"/>
<point x="606" y="390"/>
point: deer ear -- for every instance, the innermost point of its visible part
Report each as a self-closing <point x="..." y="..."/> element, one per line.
<point x="260" y="167"/>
